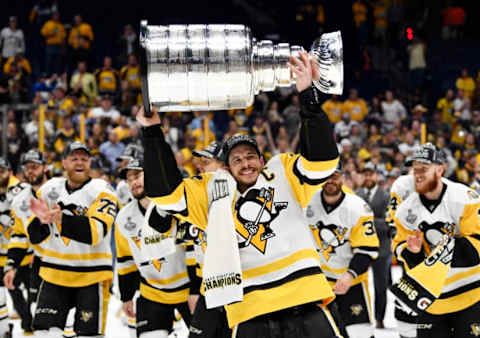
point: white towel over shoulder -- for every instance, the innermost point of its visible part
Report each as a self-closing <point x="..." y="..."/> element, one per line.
<point x="222" y="272"/>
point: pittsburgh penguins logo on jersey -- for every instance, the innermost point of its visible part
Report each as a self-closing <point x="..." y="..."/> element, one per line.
<point x="329" y="237"/>
<point x="356" y="309"/>
<point x="434" y="232"/>
<point x="255" y="212"/>
<point x="72" y="209"/>
<point x="187" y="232"/>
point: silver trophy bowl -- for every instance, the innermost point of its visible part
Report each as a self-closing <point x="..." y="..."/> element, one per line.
<point x="217" y="67"/>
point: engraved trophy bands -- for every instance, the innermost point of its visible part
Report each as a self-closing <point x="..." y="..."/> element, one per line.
<point x="216" y="67"/>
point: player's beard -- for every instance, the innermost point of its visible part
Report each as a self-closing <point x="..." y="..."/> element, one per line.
<point x="139" y="195"/>
<point x="36" y="180"/>
<point x="4" y="183"/>
<point x="332" y="189"/>
<point x="429" y="185"/>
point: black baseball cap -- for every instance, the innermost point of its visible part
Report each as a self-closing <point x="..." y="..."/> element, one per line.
<point x="236" y="140"/>
<point x="33" y="155"/>
<point x="4" y="163"/>
<point x="426" y="153"/>
<point x="213" y="150"/>
<point x="77" y="145"/>
<point x="133" y="164"/>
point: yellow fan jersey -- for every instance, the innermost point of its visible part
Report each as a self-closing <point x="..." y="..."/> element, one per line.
<point x="340" y="232"/>
<point x="277" y="273"/>
<point x="76" y="252"/>
<point x="164" y="280"/>
<point x="456" y="214"/>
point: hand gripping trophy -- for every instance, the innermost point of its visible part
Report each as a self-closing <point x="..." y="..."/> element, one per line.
<point x="217" y="67"/>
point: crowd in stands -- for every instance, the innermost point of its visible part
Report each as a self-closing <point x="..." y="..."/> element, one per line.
<point x="99" y="102"/>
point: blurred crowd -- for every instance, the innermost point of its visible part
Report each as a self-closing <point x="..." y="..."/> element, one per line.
<point x="80" y="100"/>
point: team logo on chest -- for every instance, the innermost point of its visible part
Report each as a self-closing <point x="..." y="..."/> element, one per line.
<point x="434" y="232"/>
<point x="255" y="212"/>
<point x="330" y="237"/>
<point x="71" y="210"/>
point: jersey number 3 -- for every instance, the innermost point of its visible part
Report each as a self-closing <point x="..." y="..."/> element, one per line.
<point x="370" y="228"/>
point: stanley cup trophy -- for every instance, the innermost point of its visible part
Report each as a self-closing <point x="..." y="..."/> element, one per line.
<point x="217" y="67"/>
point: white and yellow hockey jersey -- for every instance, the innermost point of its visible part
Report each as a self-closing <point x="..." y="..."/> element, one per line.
<point x="19" y="245"/>
<point x="280" y="264"/>
<point x="77" y="252"/>
<point x="340" y="232"/>
<point x="402" y="188"/>
<point x="14" y="187"/>
<point x="457" y="214"/>
<point x="164" y="280"/>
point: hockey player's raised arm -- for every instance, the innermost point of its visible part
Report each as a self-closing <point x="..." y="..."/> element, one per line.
<point x="318" y="150"/>
<point x="164" y="183"/>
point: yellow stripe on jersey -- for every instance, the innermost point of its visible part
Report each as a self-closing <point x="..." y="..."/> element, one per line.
<point x="169" y="280"/>
<point x="105" y="285"/>
<point x="462" y="275"/>
<point x="71" y="256"/>
<point x="163" y="296"/>
<point x="304" y="176"/>
<point x="455" y="303"/>
<point x="280" y="264"/>
<point x="339" y="272"/>
<point x="318" y="166"/>
<point x="127" y="270"/>
<point x="300" y="291"/>
<point x="74" y="278"/>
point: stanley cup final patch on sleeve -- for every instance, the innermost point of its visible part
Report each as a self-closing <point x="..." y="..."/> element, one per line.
<point x="422" y="285"/>
<point x="220" y="189"/>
